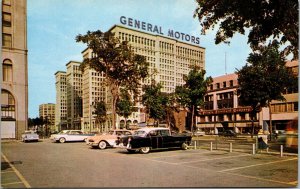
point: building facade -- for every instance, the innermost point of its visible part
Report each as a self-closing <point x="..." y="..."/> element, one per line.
<point x="74" y="95"/>
<point x="222" y="109"/>
<point x="47" y="113"/>
<point x="61" y="100"/>
<point x="14" y="91"/>
<point x="169" y="58"/>
<point x="94" y="90"/>
<point x="284" y="112"/>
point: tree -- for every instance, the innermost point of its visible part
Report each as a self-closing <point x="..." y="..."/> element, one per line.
<point x="125" y="105"/>
<point x="264" y="78"/>
<point x="116" y="59"/>
<point x="152" y="100"/>
<point x="191" y="94"/>
<point x="100" y="112"/>
<point x="265" y="18"/>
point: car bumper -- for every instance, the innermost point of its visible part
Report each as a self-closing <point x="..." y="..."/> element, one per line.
<point x="93" y="144"/>
<point x="31" y="139"/>
<point x="121" y="145"/>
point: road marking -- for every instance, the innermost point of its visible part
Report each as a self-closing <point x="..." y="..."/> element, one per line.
<point x="258" y="178"/>
<point x="181" y="154"/>
<point x="5" y="184"/>
<point x="23" y="180"/>
<point x="212" y="159"/>
<point x="236" y="168"/>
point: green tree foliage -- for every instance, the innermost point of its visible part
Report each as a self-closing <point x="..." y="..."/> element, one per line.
<point x="191" y="94"/>
<point x="116" y="59"/>
<point x="264" y="78"/>
<point x="152" y="100"/>
<point x="100" y="112"/>
<point x="265" y="18"/>
<point x="125" y="105"/>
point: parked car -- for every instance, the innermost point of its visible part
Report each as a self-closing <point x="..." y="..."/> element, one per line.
<point x="69" y="135"/>
<point x="30" y="136"/>
<point x="228" y="133"/>
<point x="146" y="139"/>
<point x="105" y="140"/>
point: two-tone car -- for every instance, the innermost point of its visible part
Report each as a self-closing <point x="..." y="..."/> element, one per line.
<point x="146" y="139"/>
<point x="70" y="135"/>
<point x="105" y="140"/>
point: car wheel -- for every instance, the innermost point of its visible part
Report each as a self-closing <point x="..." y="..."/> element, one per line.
<point x="184" y="146"/>
<point x="145" y="150"/>
<point x="62" y="140"/>
<point x="102" y="145"/>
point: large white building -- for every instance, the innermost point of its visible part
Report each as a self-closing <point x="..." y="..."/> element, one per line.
<point x="74" y="95"/>
<point x="14" y="89"/>
<point x="61" y="100"/>
<point x="169" y="57"/>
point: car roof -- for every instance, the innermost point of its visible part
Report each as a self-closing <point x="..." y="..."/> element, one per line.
<point x="148" y="129"/>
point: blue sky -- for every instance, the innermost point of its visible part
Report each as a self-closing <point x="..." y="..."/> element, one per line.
<point x="54" y="24"/>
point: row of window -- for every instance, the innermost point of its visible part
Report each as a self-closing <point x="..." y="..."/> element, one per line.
<point x="6" y="24"/>
<point x="223" y="117"/>
<point x="225" y="84"/>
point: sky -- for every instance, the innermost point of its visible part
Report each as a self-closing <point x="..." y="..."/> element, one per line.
<point x="52" y="26"/>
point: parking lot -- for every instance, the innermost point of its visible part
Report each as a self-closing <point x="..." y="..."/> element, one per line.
<point x="47" y="164"/>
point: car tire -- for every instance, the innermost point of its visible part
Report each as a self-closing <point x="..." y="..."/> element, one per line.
<point x="62" y="140"/>
<point x="145" y="150"/>
<point x="102" y="145"/>
<point x="184" y="146"/>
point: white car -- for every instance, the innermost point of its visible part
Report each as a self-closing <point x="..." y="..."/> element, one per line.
<point x="69" y="135"/>
<point x="30" y="136"/>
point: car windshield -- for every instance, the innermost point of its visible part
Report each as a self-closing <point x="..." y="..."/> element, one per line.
<point x="139" y="133"/>
<point x="63" y="132"/>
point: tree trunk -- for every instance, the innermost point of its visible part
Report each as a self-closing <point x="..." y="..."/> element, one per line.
<point x="192" y="124"/>
<point x="115" y="95"/>
<point x="252" y="123"/>
<point x="270" y="125"/>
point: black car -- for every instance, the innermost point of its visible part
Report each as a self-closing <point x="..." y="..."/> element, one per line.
<point x="228" y="133"/>
<point x="144" y="140"/>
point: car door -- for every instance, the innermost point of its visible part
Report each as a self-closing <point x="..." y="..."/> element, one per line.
<point x="156" y="139"/>
<point x="71" y="136"/>
<point x="167" y="139"/>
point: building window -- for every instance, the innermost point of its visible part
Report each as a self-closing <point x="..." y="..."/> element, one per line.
<point x="231" y="83"/>
<point x="6" y="19"/>
<point x="7" y="105"/>
<point x="243" y="116"/>
<point x="7" y="70"/>
<point x="224" y="84"/>
<point x="6" y="2"/>
<point x="6" y="40"/>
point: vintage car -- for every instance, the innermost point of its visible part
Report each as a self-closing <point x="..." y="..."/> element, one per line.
<point x="70" y="135"/>
<point x="146" y="139"/>
<point x="30" y="136"/>
<point x="105" y="140"/>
